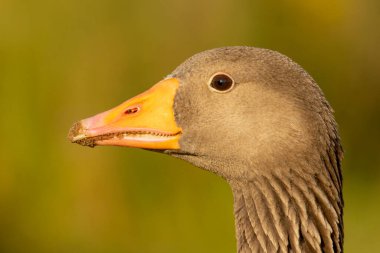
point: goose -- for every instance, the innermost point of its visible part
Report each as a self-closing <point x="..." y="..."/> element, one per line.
<point x="255" y="118"/>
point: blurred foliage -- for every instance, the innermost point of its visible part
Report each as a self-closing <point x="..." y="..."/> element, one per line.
<point x="61" y="61"/>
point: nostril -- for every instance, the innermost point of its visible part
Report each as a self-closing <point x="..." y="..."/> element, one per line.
<point x="132" y="110"/>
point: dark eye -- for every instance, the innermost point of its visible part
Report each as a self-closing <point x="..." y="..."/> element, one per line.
<point x="221" y="82"/>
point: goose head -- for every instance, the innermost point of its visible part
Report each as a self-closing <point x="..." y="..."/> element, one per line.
<point x="255" y="118"/>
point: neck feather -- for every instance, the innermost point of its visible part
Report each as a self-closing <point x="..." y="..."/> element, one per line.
<point x="291" y="210"/>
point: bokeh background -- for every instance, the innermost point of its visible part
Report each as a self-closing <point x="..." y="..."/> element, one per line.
<point x="64" y="60"/>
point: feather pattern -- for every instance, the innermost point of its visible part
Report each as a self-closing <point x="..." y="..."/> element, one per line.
<point x="293" y="212"/>
<point x="274" y="138"/>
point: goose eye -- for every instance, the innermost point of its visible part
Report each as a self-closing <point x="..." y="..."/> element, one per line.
<point x="221" y="83"/>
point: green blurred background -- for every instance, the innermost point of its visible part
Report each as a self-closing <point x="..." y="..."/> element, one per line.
<point x="64" y="60"/>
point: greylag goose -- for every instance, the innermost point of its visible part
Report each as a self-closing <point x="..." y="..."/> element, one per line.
<point x="258" y="120"/>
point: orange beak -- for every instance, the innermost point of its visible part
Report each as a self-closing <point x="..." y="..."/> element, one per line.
<point x="145" y="121"/>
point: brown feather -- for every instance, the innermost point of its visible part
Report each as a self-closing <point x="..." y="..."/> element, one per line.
<point x="273" y="137"/>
